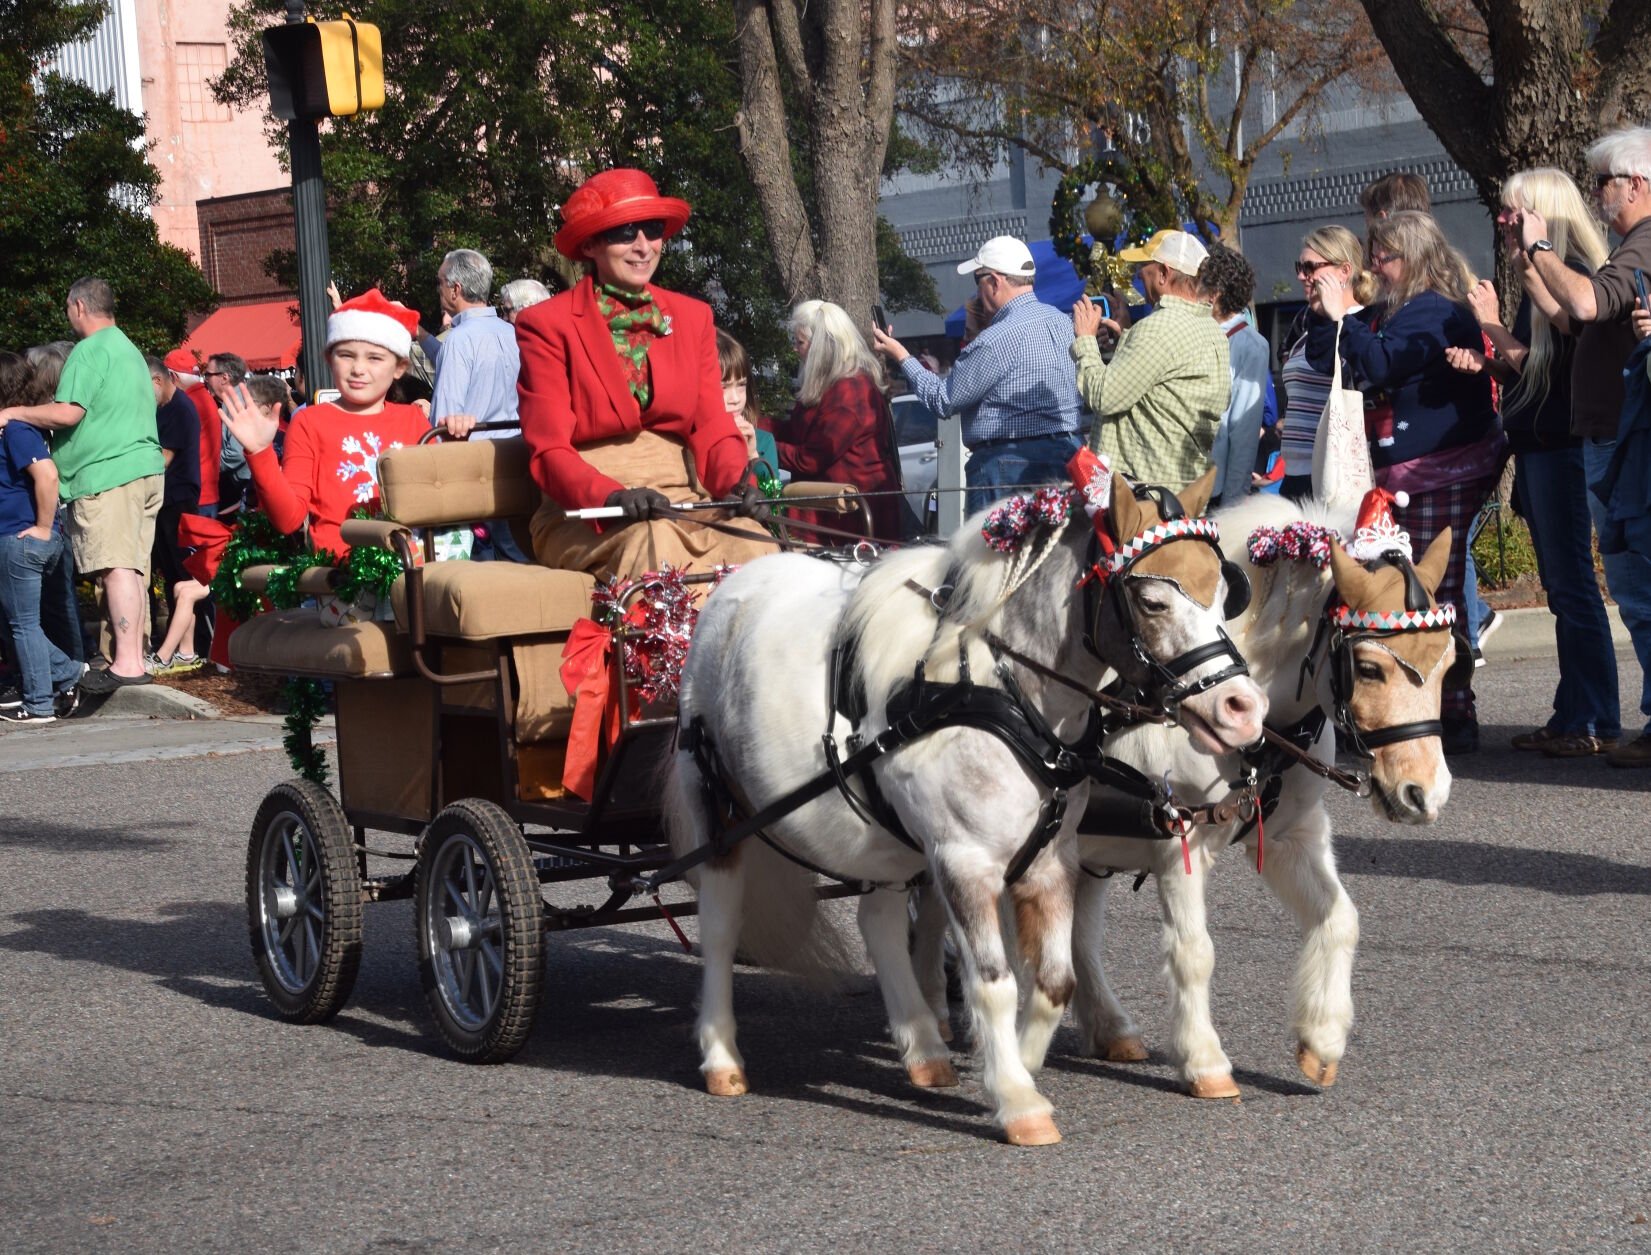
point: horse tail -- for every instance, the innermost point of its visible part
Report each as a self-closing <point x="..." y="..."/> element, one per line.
<point x="781" y="924"/>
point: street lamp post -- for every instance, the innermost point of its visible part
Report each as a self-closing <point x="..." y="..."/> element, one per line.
<point x="309" y="210"/>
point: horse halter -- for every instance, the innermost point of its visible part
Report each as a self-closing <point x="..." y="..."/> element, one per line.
<point x="1109" y="561"/>
<point x="1347" y="627"/>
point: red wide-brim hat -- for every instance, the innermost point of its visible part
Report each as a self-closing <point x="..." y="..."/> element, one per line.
<point x="611" y="199"/>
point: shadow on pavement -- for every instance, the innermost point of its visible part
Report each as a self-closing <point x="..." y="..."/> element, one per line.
<point x="1497" y="762"/>
<point x="1469" y="863"/>
<point x="82" y="838"/>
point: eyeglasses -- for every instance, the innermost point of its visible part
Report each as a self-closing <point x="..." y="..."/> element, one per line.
<point x="1307" y="269"/>
<point x="1603" y="181"/>
<point x="653" y="229"/>
<point x="214" y="374"/>
<point x="1383" y="259"/>
<point x="982" y="275"/>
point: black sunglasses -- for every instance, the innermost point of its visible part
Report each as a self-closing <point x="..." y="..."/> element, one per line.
<point x="1307" y="269"/>
<point x="653" y="229"/>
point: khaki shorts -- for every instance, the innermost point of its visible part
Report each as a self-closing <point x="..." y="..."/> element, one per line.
<point x="115" y="530"/>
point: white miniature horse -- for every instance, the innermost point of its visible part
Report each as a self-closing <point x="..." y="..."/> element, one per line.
<point x="756" y="687"/>
<point x="1396" y="680"/>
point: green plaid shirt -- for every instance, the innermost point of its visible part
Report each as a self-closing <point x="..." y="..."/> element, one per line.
<point x="1159" y="404"/>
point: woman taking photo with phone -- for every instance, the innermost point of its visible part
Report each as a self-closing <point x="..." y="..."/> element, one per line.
<point x="1433" y="431"/>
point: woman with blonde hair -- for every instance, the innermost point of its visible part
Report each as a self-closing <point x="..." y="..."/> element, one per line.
<point x="1533" y="363"/>
<point x="1433" y="430"/>
<point x="840" y="429"/>
<point x="1336" y="251"/>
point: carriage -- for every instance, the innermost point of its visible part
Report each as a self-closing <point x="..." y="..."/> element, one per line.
<point x="452" y="729"/>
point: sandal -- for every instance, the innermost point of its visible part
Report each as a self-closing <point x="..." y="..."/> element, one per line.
<point x="1538" y="738"/>
<point x="1578" y="745"/>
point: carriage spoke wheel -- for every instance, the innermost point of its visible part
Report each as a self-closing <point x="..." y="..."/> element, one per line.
<point x="480" y="923"/>
<point x="304" y="901"/>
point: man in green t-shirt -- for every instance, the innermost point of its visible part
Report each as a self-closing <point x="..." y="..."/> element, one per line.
<point x="110" y="466"/>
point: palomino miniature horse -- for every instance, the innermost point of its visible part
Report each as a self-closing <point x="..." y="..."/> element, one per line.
<point x="756" y="685"/>
<point x="1396" y="680"/>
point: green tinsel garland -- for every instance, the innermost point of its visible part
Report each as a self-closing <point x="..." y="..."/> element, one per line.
<point x="306" y="703"/>
<point x="1065" y="231"/>
<point x="255" y="542"/>
<point x="282" y="589"/>
<point x="368" y="567"/>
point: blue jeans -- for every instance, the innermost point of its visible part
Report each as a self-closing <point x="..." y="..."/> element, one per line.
<point x="1478" y="610"/>
<point x="1627" y="575"/>
<point x="995" y="470"/>
<point x="1553" y="497"/>
<point x="44" y="668"/>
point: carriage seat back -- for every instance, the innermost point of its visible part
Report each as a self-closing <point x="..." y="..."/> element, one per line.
<point x="452" y="482"/>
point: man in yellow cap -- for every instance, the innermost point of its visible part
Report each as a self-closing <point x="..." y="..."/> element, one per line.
<point x="1158" y="405"/>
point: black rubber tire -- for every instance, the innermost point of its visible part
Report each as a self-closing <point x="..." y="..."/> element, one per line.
<point x="310" y="973"/>
<point x="483" y="1004"/>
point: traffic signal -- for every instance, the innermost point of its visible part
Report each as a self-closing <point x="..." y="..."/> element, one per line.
<point x="324" y="69"/>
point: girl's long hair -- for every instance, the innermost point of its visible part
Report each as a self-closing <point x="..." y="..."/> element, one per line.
<point x="836" y="349"/>
<point x="1575" y="235"/>
<point x="1430" y="263"/>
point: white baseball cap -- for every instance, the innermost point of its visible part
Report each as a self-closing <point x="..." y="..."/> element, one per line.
<point x="1004" y="254"/>
<point x="1176" y="249"/>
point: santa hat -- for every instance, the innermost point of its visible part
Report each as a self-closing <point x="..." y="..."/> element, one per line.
<point x="182" y="361"/>
<point x="377" y="320"/>
<point x="1377" y="532"/>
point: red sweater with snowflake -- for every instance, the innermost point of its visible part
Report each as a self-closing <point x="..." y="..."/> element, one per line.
<point x="331" y="467"/>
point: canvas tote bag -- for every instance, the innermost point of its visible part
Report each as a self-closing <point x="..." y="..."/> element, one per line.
<point x="1341" y="454"/>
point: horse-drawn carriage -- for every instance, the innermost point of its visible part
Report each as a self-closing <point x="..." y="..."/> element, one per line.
<point x="453" y="727"/>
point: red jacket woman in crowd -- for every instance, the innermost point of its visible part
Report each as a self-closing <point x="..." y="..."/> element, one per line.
<point x="840" y="429"/>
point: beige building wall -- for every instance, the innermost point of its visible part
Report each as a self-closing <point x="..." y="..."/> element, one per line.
<point x="202" y="149"/>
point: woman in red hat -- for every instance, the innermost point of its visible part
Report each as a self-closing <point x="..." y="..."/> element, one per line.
<point x="621" y="397"/>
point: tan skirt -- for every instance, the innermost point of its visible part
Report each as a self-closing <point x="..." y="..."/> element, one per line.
<point x="645" y="460"/>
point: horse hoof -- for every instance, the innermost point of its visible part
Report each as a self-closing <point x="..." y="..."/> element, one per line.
<point x="1215" y="1085"/>
<point x="1124" y="1050"/>
<point x="726" y="1083"/>
<point x="1314" y="1068"/>
<point x="1038" y="1130"/>
<point x="932" y="1073"/>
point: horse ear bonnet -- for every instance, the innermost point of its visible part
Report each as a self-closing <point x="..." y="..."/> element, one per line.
<point x="1233" y="575"/>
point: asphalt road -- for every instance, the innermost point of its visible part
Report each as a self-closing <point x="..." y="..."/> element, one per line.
<point x="1494" y="1095"/>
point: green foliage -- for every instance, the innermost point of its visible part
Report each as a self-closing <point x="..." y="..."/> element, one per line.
<point x="1503" y="556"/>
<point x="497" y="109"/>
<point x="75" y="184"/>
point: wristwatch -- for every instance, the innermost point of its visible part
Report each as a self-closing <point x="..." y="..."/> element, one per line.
<point x="1539" y="246"/>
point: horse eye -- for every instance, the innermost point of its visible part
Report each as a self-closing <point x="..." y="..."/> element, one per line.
<point x="1152" y="603"/>
<point x="1370" y="671"/>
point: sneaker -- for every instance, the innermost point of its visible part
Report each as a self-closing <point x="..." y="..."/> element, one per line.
<point x="1461" y="736"/>
<point x="67" y="700"/>
<point x="25" y="717"/>
<point x="181" y="664"/>
<point x="12" y="699"/>
<point x="1488" y="626"/>
<point x="1637" y="753"/>
<point x="1578" y="745"/>
<point x="154" y="664"/>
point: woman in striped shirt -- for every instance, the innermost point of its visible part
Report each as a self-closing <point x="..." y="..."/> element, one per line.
<point x="1306" y="390"/>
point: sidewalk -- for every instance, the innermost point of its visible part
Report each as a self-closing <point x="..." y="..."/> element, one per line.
<point x="1529" y="633"/>
<point x="104" y="739"/>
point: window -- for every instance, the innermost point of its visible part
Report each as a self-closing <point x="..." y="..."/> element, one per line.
<point x="196" y="64"/>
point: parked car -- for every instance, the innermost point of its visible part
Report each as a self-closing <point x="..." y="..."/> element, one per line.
<point x="916" y="430"/>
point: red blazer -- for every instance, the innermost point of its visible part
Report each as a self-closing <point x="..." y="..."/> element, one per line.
<point x="573" y="392"/>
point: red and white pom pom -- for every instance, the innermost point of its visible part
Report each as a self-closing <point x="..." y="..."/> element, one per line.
<point x="1378" y="532"/>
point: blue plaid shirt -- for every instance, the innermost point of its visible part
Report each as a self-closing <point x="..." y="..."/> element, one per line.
<point x="1013" y="381"/>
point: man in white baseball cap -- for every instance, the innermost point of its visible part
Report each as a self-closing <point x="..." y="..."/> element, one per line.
<point x="1013" y="384"/>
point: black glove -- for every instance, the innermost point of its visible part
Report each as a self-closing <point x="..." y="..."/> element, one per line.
<point x="753" y="504"/>
<point x="640" y="504"/>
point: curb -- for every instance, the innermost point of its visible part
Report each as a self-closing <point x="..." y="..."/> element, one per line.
<point x="1529" y="633"/>
<point x="147" y="701"/>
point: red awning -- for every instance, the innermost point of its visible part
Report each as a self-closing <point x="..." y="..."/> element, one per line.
<point x="265" y="334"/>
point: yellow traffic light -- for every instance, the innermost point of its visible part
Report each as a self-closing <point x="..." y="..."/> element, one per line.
<point x="324" y="69"/>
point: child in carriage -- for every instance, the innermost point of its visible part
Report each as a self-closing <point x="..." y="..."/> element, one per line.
<point x="333" y="447"/>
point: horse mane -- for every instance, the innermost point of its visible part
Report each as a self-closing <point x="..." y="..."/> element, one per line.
<point x="889" y="626"/>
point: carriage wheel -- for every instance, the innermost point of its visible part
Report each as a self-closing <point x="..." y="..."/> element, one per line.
<point x="480" y="923"/>
<point x="304" y="901"/>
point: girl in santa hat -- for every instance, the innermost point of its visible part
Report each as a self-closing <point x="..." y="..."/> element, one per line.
<point x="332" y="448"/>
<point x="621" y="398"/>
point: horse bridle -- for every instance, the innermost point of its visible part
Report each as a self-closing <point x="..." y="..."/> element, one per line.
<point x="1166" y="677"/>
<point x="1343" y="627"/>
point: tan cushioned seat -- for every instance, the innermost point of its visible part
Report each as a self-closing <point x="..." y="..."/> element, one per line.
<point x="477" y="601"/>
<point x="294" y="642"/>
<point x="437" y="485"/>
